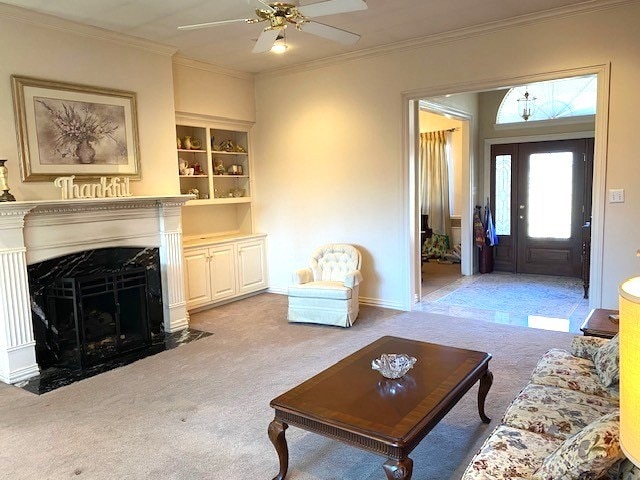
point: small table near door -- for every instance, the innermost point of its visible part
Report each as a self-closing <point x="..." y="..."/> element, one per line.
<point x="599" y="324"/>
<point x="356" y="405"/>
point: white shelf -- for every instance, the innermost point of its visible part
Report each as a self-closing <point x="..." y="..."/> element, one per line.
<point x="218" y="201"/>
<point x="226" y="175"/>
<point x="222" y="152"/>
<point x="193" y="176"/>
<point x="191" y="150"/>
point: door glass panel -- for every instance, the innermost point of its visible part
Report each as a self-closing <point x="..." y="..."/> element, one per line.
<point x="503" y="195"/>
<point x="550" y="194"/>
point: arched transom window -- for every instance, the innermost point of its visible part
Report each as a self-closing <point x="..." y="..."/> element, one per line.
<point x="554" y="99"/>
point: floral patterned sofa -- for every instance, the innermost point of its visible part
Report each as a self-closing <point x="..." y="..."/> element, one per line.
<point x="564" y="424"/>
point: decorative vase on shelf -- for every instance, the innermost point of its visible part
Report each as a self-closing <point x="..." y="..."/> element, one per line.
<point x="196" y="144"/>
<point x="186" y="143"/>
<point x="178" y="142"/>
<point x="85" y="152"/>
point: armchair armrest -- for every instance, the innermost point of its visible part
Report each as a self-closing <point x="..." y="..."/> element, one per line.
<point x="303" y="275"/>
<point x="586" y="346"/>
<point x="352" y="278"/>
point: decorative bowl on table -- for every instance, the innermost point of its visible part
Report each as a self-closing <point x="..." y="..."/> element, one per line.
<point x="393" y="365"/>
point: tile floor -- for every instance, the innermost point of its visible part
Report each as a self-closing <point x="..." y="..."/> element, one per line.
<point x="536" y="301"/>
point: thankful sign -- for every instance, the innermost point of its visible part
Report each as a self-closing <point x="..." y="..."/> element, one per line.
<point x="103" y="188"/>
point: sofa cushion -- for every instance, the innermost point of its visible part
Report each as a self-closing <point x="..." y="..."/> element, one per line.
<point x="558" y="368"/>
<point x="607" y="362"/>
<point x="586" y="346"/>
<point x="556" y="411"/>
<point x="588" y="454"/>
<point x="510" y="453"/>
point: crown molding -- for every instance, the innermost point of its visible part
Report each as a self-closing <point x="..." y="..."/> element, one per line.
<point x="453" y="35"/>
<point x="30" y="17"/>
<point x="208" y="67"/>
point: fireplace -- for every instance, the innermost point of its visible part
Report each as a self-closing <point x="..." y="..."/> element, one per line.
<point x="37" y="234"/>
<point x="96" y="305"/>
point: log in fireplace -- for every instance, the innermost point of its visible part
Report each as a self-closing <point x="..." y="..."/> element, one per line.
<point x="96" y="305"/>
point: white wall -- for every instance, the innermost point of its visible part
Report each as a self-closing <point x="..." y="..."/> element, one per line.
<point x="204" y="89"/>
<point x="217" y="95"/>
<point x="329" y="153"/>
<point x="75" y="54"/>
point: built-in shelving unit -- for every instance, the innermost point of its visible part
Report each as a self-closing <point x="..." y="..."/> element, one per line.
<point x="223" y="160"/>
<point x="224" y="257"/>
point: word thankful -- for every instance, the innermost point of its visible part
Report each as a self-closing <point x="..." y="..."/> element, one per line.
<point x="114" y="187"/>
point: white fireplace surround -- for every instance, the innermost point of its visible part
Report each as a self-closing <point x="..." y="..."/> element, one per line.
<point x="31" y="232"/>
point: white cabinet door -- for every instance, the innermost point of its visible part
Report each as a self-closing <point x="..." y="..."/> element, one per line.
<point x="252" y="271"/>
<point x="197" y="275"/>
<point x="223" y="272"/>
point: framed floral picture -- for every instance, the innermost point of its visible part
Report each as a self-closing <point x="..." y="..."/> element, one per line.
<point x="69" y="129"/>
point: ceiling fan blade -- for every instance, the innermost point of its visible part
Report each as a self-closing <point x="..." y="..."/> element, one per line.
<point x="265" y="40"/>
<point x="331" y="33"/>
<point x="195" y="26"/>
<point x="261" y="5"/>
<point x="331" y="7"/>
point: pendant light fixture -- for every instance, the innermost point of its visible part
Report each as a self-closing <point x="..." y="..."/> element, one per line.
<point x="526" y="103"/>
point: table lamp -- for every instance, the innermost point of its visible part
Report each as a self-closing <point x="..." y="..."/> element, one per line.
<point x="630" y="369"/>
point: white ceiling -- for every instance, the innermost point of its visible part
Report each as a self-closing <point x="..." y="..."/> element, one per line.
<point x="384" y="22"/>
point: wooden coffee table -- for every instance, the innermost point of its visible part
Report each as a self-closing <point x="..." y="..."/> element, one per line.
<point x="352" y="403"/>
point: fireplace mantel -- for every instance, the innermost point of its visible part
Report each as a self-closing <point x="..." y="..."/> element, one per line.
<point x="34" y="231"/>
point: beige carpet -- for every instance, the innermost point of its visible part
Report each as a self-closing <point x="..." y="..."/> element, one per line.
<point x="201" y="411"/>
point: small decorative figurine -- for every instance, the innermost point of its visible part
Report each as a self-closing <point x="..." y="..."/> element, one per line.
<point x="4" y="185"/>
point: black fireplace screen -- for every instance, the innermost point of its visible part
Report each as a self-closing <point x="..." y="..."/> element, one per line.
<point x="95" y="306"/>
<point x="98" y="317"/>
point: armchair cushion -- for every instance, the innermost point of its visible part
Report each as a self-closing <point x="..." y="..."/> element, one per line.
<point x="335" y="290"/>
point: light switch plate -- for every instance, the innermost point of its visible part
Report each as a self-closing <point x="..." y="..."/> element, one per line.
<point x="616" y="195"/>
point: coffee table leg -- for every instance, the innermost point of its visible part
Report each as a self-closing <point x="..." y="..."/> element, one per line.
<point x="398" y="469"/>
<point x="276" y="435"/>
<point x="485" y="384"/>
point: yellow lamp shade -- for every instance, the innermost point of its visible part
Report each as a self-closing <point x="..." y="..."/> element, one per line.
<point x="630" y="369"/>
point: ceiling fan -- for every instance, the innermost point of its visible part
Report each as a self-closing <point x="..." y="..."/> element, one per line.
<point x="280" y="14"/>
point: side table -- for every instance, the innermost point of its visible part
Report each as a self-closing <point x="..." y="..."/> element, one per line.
<point x="598" y="323"/>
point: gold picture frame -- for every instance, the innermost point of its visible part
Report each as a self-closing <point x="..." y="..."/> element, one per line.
<point x="71" y="129"/>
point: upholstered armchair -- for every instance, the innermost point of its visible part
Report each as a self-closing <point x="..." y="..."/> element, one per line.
<point x="327" y="291"/>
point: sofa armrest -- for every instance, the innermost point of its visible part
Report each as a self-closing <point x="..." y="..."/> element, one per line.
<point x="586" y="346"/>
<point x="303" y="275"/>
<point x="352" y="278"/>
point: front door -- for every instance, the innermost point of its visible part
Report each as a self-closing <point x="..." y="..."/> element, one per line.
<point x="541" y="196"/>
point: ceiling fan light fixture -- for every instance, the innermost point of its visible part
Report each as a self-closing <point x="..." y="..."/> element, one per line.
<point x="280" y="45"/>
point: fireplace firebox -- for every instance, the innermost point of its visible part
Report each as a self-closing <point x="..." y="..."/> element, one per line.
<point x="97" y="305"/>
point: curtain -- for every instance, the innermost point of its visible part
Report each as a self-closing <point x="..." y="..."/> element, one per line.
<point x="434" y="152"/>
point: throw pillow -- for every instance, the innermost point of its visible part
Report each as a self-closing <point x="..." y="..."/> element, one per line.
<point x="607" y="362"/>
<point x="435" y="246"/>
<point x="588" y="454"/>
